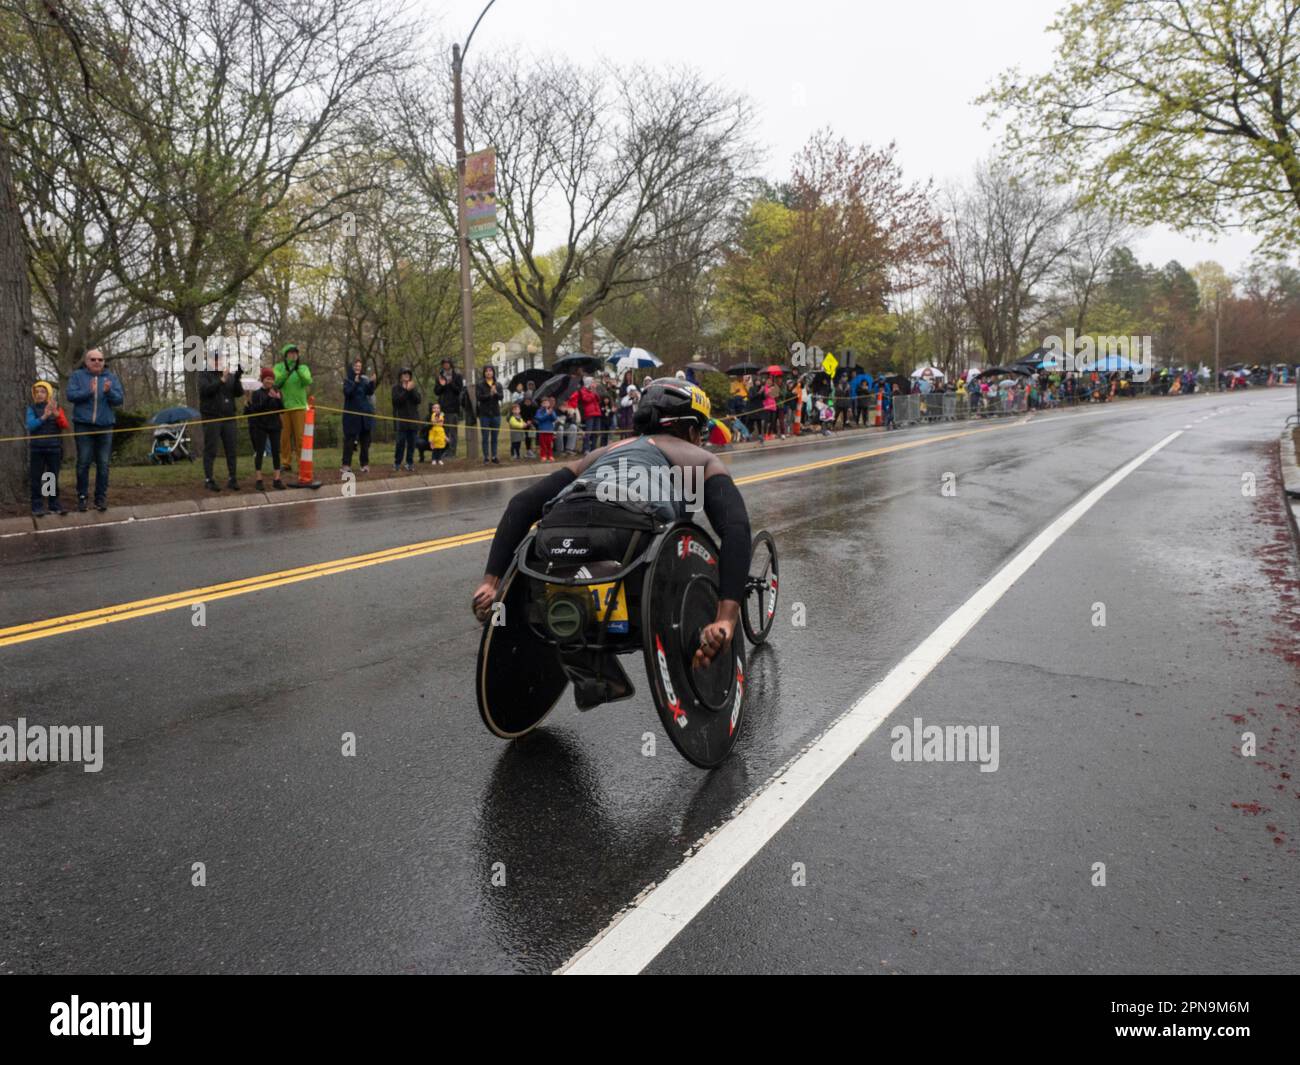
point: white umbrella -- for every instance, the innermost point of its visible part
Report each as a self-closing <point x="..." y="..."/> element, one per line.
<point x="633" y="359"/>
<point x="928" y="371"/>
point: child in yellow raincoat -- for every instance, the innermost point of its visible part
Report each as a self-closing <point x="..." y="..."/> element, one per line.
<point x="437" y="434"/>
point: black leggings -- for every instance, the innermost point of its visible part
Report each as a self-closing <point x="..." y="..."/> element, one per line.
<point x="215" y="433"/>
<point x="261" y="436"/>
<point x="350" y="441"/>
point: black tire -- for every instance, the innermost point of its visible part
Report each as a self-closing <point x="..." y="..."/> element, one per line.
<point x="702" y="714"/>
<point x="518" y="679"/>
<point x="758" y="611"/>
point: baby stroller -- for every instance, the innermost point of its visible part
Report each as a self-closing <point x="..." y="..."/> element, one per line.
<point x="171" y="441"/>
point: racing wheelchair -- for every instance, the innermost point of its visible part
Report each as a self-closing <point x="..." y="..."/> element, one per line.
<point x="591" y="584"/>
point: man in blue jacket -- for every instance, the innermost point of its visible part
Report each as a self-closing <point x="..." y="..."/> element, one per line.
<point x="94" y="392"/>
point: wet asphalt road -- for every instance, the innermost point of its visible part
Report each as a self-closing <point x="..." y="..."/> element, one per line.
<point x="1117" y="744"/>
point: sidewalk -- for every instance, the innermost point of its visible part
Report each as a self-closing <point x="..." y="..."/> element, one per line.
<point x="142" y="504"/>
<point x="1289" y="459"/>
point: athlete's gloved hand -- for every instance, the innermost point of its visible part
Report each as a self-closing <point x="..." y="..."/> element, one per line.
<point x="484" y="595"/>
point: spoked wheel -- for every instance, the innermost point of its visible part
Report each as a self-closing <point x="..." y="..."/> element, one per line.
<point x="758" y="611"/>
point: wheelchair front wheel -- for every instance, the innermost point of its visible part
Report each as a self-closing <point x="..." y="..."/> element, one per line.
<point x="758" y="611"/>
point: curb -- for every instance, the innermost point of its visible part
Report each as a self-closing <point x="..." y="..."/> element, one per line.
<point x="1290" y="482"/>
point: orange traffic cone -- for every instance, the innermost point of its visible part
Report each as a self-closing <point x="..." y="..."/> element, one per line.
<point x="880" y="408"/>
<point x="305" y="476"/>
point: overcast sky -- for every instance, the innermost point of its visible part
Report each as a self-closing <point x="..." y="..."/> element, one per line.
<point x="905" y="71"/>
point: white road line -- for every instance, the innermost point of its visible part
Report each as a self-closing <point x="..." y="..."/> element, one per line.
<point x="637" y="936"/>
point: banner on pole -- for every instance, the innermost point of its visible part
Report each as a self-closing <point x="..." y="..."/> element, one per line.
<point x="481" y="194"/>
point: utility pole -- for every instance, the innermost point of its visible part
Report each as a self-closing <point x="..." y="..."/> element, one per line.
<point x="1218" y="385"/>
<point x="462" y="226"/>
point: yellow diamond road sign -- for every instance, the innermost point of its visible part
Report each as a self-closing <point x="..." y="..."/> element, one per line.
<point x="830" y="364"/>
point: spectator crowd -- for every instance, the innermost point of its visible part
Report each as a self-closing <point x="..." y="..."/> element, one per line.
<point x="587" y="414"/>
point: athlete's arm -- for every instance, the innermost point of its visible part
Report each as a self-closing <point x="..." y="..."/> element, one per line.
<point x="725" y="509"/>
<point x="726" y="512"/>
<point x="524" y="509"/>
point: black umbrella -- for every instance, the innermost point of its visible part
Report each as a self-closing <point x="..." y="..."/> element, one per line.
<point x="820" y="382"/>
<point x="561" y="386"/>
<point x="577" y="363"/>
<point x="742" y="368"/>
<point x="702" y="367"/>
<point x="536" y="375"/>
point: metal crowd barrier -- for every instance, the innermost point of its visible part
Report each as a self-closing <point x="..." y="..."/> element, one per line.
<point x="921" y="408"/>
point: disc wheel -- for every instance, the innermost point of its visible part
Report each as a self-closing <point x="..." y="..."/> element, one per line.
<point x="758" y="611"/>
<point x="701" y="710"/>
<point x="519" y="679"/>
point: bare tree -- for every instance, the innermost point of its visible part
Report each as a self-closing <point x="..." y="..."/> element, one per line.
<point x="603" y="188"/>
<point x="213" y="122"/>
<point x="1006" y="238"/>
<point x="1093" y="234"/>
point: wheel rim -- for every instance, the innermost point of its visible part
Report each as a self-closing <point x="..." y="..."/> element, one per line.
<point x="762" y="585"/>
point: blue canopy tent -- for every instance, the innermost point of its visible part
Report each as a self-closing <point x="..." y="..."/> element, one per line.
<point x="1113" y="364"/>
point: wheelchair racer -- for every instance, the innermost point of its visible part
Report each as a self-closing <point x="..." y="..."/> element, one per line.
<point x="669" y="422"/>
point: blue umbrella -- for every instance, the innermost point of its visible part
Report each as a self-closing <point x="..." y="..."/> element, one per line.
<point x="858" y="379"/>
<point x="633" y="359"/>
<point x="172" y="415"/>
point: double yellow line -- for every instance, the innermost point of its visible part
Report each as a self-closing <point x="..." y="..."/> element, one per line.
<point x="88" y="619"/>
<point x="140" y="608"/>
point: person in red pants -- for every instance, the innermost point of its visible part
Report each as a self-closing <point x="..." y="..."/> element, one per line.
<point x="545" y="419"/>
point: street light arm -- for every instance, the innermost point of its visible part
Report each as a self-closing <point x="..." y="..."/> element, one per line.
<point x="465" y="47"/>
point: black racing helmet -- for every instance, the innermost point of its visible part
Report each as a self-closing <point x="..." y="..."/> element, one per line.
<point x="669" y="401"/>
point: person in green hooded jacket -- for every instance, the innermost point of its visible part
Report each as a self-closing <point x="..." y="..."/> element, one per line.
<point x="293" y="380"/>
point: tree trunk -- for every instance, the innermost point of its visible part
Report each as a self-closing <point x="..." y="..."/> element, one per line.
<point x="191" y="326"/>
<point x="17" y="343"/>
